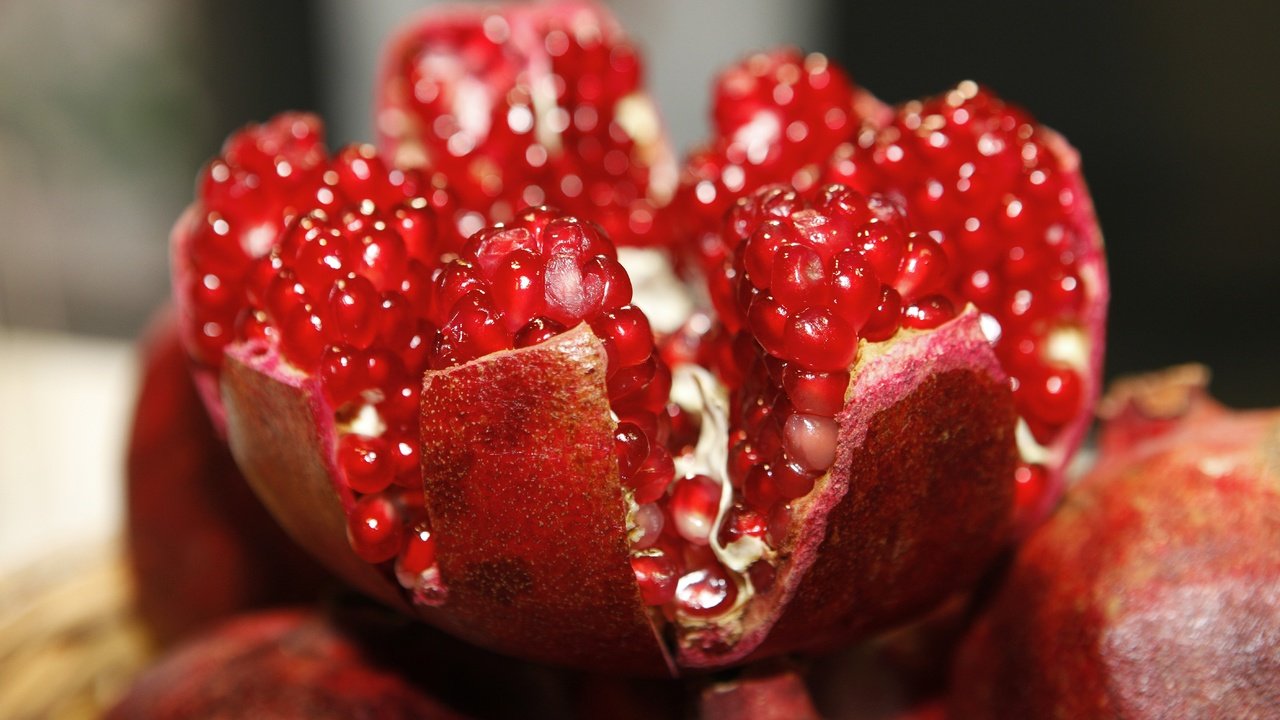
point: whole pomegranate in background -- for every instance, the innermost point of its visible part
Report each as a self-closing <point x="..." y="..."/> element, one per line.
<point x="484" y="434"/>
<point x="200" y="544"/>
<point x="1154" y="592"/>
<point x="521" y="105"/>
<point x="282" y="664"/>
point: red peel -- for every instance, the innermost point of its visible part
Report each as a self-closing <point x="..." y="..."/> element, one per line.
<point x="1153" y="591"/>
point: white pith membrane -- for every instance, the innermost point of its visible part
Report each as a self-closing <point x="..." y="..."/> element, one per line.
<point x="700" y="393"/>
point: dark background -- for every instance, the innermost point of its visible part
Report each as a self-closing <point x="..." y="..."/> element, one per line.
<point x="1175" y="108"/>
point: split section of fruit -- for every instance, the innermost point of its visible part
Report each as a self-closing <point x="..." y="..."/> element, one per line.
<point x="474" y="422"/>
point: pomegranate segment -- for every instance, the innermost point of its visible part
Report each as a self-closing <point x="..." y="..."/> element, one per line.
<point x="1015" y="234"/>
<point x="524" y="105"/>
<point x="330" y="296"/>
<point x="1002" y="220"/>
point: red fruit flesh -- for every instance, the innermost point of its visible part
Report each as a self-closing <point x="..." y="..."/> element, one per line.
<point x="528" y="105"/>
<point x="1153" y="591"/>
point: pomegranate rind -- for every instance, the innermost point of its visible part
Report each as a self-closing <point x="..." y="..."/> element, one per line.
<point x="780" y="695"/>
<point x="916" y="506"/>
<point x="281" y="433"/>
<point x="1154" y="591"/>
<point x="281" y="664"/>
<point x="200" y="544"/>
<point x="525" y="499"/>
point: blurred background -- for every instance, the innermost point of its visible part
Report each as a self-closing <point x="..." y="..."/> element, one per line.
<point x="108" y="109"/>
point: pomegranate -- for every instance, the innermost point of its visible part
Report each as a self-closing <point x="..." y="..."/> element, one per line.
<point x="1154" y="591"/>
<point x="1002" y="216"/>
<point x="200" y="545"/>
<point x="523" y="105"/>
<point x="280" y="664"/>
<point x="543" y="422"/>
<point x="484" y="434"/>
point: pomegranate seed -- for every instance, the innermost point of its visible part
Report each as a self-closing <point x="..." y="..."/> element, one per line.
<point x="655" y="576"/>
<point x="626" y="335"/>
<point x="854" y="288"/>
<point x="819" y="340"/>
<point x="649" y="520"/>
<point x="1053" y="396"/>
<point x="419" y="552"/>
<point x="518" y="288"/>
<point x="632" y="448"/>
<point x="759" y="488"/>
<point x="366" y="463"/>
<point x="1029" y="485"/>
<point x="884" y="321"/>
<point x="791" y="480"/>
<point x="810" y="441"/>
<point x="694" y="504"/>
<point x="815" y="393"/>
<point x="302" y="339"/>
<point x="741" y="522"/>
<point x="375" y="528"/>
<point x="653" y="477"/>
<point x="799" y="278"/>
<point x="927" y="313"/>
<point x="883" y="246"/>
<point x="705" y="592"/>
<point x="538" y="330"/>
<point x="352" y="305"/>
<point x="924" y="269"/>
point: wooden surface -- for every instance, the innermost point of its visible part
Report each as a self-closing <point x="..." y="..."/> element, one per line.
<point x="69" y="639"/>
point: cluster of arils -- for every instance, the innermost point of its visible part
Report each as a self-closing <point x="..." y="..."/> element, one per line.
<point x="328" y="259"/>
<point x="528" y="107"/>
<point x="1005" y="200"/>
<point x="265" y="178"/>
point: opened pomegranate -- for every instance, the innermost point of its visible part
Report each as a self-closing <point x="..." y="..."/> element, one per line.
<point x="1154" y="592"/>
<point x="1002" y="217"/>
<point x="200" y="544"/>
<point x="524" y="105"/>
<point x="483" y="433"/>
<point x="543" y="422"/>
